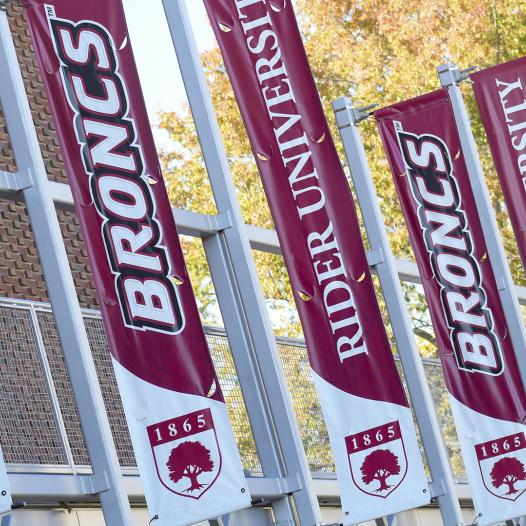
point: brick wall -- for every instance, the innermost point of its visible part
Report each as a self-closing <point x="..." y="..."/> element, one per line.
<point x="20" y="271"/>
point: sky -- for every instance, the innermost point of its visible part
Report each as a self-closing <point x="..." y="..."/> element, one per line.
<point x="154" y="53"/>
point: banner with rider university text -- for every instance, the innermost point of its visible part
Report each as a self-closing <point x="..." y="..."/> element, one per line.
<point x="378" y="462"/>
<point x="176" y="414"/>
<point x="500" y="92"/>
<point x="486" y="393"/>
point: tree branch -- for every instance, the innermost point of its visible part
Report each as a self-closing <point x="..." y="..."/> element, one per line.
<point x="421" y="333"/>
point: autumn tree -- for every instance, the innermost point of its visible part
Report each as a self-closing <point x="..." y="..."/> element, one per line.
<point x="380" y="465"/>
<point x="189" y="459"/>
<point x="379" y="52"/>
<point x="508" y="471"/>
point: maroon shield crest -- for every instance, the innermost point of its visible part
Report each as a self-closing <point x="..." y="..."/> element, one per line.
<point x="377" y="459"/>
<point x="502" y="465"/>
<point x="186" y="452"/>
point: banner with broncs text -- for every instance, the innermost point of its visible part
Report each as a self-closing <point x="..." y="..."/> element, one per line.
<point x="373" y="438"/>
<point x="500" y="92"/>
<point x="485" y="390"/>
<point x="181" y="435"/>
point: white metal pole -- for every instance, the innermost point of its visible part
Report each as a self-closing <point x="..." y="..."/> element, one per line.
<point x="381" y="259"/>
<point x="107" y="478"/>
<point x="239" y="293"/>
<point x="450" y="77"/>
<point x="6" y="501"/>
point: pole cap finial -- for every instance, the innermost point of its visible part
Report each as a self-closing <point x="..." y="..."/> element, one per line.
<point x="449" y="74"/>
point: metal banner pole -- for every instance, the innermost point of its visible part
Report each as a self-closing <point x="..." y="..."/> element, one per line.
<point x="107" y="478"/>
<point x="242" y="303"/>
<point x="6" y="502"/>
<point x="450" y="77"/>
<point x="381" y="258"/>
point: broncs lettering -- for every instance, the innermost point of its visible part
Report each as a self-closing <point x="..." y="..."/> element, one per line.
<point x="114" y="164"/>
<point x="449" y="243"/>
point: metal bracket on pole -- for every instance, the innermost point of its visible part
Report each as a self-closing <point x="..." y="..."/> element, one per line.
<point x="15" y="181"/>
<point x="437" y="488"/>
<point x="95" y="484"/>
<point x="241" y="300"/>
<point x="450" y="76"/>
<point x="375" y="257"/>
<point x="220" y="222"/>
<point x="353" y="115"/>
<point x="422" y="402"/>
<point x="59" y="283"/>
<point x="289" y="485"/>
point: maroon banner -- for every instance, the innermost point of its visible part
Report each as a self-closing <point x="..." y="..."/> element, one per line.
<point x="318" y="229"/>
<point x="500" y="92"/>
<point x="487" y="396"/>
<point x="162" y="363"/>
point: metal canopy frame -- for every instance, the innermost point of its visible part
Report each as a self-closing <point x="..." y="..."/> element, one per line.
<point x="287" y="482"/>
<point x="204" y="225"/>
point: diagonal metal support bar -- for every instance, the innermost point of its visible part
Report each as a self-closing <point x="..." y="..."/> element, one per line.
<point x="422" y="403"/>
<point x="15" y="181"/>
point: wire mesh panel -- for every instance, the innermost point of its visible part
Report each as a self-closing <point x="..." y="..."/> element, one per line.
<point x="112" y="401"/>
<point x="223" y="361"/>
<point x="310" y="419"/>
<point x="306" y="406"/>
<point x="435" y="378"/>
<point x="110" y="393"/>
<point x="62" y="385"/>
<point x="29" y="434"/>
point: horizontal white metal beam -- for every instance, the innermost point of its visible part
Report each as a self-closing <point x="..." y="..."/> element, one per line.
<point x="202" y="225"/>
<point x="263" y="239"/>
<point x="46" y="487"/>
<point x="52" y="487"/>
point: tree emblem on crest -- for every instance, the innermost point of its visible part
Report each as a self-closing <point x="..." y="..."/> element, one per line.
<point x="189" y="459"/>
<point x="380" y="465"/>
<point x="508" y="471"/>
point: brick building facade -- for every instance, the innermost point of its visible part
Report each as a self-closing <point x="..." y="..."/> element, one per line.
<point x="21" y="275"/>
